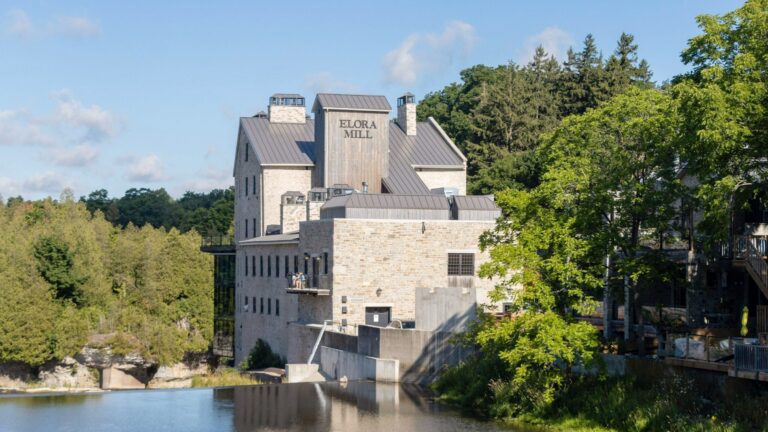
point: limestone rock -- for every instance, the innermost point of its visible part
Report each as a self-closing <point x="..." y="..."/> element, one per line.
<point x="68" y="373"/>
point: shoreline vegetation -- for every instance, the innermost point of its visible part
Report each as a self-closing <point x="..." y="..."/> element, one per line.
<point x="590" y="209"/>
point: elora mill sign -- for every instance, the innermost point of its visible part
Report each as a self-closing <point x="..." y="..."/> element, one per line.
<point x="357" y="128"/>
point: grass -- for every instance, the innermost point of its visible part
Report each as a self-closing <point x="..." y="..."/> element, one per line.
<point x="633" y="403"/>
<point x="224" y="377"/>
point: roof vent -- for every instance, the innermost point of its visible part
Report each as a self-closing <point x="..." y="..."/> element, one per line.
<point x="261" y="114"/>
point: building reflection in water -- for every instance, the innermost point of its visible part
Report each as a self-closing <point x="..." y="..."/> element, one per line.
<point x="326" y="407"/>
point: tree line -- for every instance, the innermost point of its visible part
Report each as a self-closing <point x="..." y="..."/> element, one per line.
<point x="206" y="213"/>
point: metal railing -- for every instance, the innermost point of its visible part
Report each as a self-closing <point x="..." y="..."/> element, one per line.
<point x="217" y="240"/>
<point x="740" y="249"/>
<point x="749" y="357"/>
<point x="307" y="282"/>
<point x="702" y="348"/>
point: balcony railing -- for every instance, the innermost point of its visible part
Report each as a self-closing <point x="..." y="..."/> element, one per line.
<point x="306" y="284"/>
<point x="218" y="243"/>
<point x="748" y="357"/>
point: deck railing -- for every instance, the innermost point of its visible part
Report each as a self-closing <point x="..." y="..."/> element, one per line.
<point x="748" y="357"/>
<point x="702" y="348"/>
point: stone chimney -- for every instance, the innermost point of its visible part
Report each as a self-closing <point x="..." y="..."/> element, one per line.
<point x="287" y="108"/>
<point x="406" y="113"/>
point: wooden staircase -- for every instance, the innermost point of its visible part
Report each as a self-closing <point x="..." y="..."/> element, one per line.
<point x="754" y="261"/>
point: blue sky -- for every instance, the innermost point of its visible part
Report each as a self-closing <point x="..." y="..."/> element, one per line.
<point x="117" y="95"/>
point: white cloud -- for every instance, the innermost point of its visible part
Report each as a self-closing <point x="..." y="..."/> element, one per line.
<point x="324" y="82"/>
<point x="47" y="183"/>
<point x="17" y="127"/>
<point x="147" y="168"/>
<point x="99" y="124"/>
<point x="21" y="25"/>
<point x="77" y="156"/>
<point x="554" y="40"/>
<point x="69" y="122"/>
<point x="77" y="26"/>
<point x="421" y="54"/>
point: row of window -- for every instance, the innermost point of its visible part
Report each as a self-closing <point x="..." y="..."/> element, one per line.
<point x="261" y="305"/>
<point x="246" y="228"/>
<point x="253" y="183"/>
<point x="286" y="265"/>
<point x="459" y="264"/>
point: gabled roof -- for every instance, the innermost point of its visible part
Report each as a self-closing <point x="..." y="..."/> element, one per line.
<point x="290" y="144"/>
<point x="351" y="102"/>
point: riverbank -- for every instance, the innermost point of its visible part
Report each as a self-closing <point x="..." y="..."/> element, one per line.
<point x="673" y="403"/>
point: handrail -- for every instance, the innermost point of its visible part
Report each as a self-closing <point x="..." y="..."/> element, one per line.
<point x="756" y="264"/>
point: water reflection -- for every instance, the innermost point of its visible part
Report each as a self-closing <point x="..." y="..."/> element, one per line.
<point x="359" y="406"/>
<point x="336" y="407"/>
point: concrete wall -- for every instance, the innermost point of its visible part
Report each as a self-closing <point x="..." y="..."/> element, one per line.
<point x="303" y="338"/>
<point x="337" y="364"/>
<point x="438" y="178"/>
<point x="421" y="354"/>
<point x="446" y="309"/>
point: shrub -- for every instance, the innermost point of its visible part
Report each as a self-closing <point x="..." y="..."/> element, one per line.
<point x="262" y="356"/>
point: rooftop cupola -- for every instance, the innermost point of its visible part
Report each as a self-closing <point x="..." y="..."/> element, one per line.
<point x="406" y="113"/>
<point x="287" y="108"/>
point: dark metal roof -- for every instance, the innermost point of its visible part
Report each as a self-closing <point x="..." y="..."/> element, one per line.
<point x="280" y="143"/>
<point x="474" y="202"/>
<point x="427" y="148"/>
<point x="388" y="201"/>
<point x="351" y="102"/>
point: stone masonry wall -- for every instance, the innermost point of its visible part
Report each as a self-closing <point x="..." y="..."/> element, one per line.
<point x="396" y="257"/>
<point x="251" y="323"/>
<point x="291" y="215"/>
<point x="278" y="181"/>
<point x="287" y="114"/>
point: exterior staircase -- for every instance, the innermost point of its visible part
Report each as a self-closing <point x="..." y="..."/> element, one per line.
<point x="754" y="262"/>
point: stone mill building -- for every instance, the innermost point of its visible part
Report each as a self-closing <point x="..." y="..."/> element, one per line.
<point x="347" y="217"/>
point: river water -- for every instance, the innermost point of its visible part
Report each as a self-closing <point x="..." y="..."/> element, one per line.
<point x="356" y="406"/>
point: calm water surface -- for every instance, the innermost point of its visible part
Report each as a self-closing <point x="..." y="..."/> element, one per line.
<point x="358" y="406"/>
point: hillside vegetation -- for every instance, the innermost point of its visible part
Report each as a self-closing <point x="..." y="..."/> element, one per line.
<point x="68" y="275"/>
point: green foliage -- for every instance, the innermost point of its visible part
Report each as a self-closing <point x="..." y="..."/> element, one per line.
<point x="68" y="276"/>
<point x="496" y="115"/>
<point x="224" y="377"/>
<point x="262" y="356"/>
<point x="206" y="213"/>
<point x="724" y="101"/>
<point x="55" y="264"/>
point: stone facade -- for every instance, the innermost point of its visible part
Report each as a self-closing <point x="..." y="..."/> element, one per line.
<point x="439" y="178"/>
<point x="406" y="118"/>
<point x="291" y="215"/>
<point x="252" y="321"/>
<point x="278" y="181"/>
<point x="287" y="114"/>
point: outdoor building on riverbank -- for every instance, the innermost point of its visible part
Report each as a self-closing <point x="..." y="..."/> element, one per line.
<point x="349" y="218"/>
